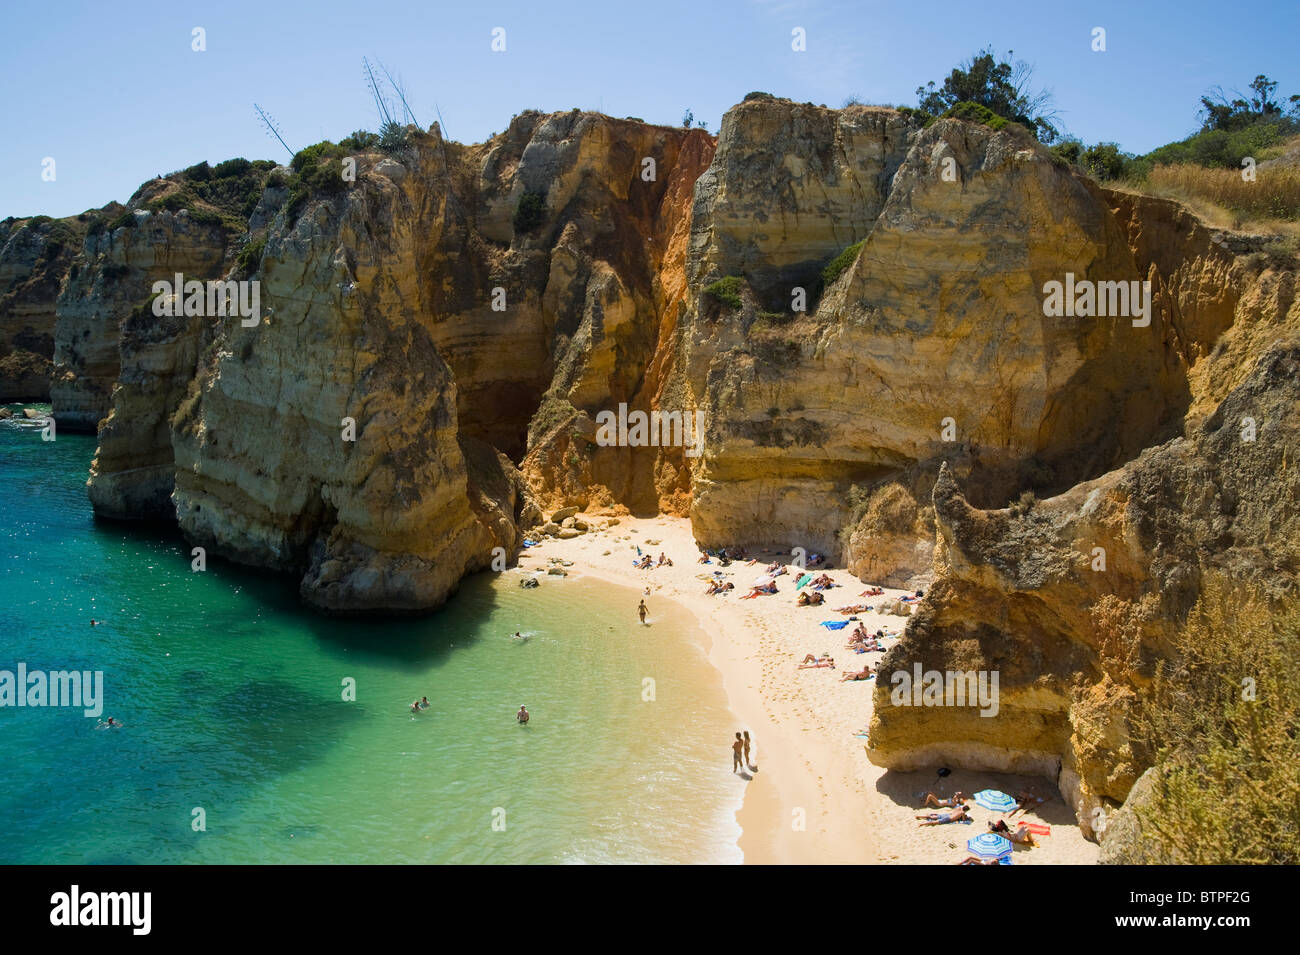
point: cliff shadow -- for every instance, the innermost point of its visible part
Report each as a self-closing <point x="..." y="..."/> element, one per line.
<point x="410" y="643"/>
<point x="909" y="789"/>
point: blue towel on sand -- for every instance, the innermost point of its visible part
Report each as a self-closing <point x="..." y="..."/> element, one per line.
<point x="835" y="624"/>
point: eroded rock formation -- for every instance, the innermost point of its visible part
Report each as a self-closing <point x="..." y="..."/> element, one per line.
<point x="35" y="256"/>
<point x="440" y="336"/>
<point x="1074" y="599"/>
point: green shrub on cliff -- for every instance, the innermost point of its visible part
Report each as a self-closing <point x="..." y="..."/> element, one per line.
<point x="394" y="138"/>
<point x="530" y="212"/>
<point x="726" y="290"/>
<point x="976" y="113"/>
<point x="359" y="141"/>
<point x="841" y="262"/>
<point x="231" y="167"/>
<point x="990" y="86"/>
<point x="311" y="155"/>
<point x="1221" y="719"/>
<point x="317" y="170"/>
<point x="250" y="256"/>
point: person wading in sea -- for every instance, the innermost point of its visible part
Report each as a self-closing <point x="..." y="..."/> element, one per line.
<point x="522" y="715"/>
<point x="642" y="611"/>
<point x="736" y="749"/>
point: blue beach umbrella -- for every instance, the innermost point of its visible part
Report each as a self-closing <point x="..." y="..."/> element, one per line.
<point x="988" y="845"/>
<point x="995" y="801"/>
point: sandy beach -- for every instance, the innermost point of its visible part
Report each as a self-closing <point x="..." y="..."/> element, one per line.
<point x="814" y="797"/>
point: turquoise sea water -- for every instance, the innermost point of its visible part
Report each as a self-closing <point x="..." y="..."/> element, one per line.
<point x="230" y="693"/>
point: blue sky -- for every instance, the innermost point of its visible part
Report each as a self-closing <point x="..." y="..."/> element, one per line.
<point x="115" y="94"/>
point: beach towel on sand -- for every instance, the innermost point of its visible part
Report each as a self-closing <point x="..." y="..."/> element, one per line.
<point x="1038" y="828"/>
<point x="835" y="624"/>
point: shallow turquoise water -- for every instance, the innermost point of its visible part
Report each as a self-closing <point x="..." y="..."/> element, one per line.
<point x="231" y="696"/>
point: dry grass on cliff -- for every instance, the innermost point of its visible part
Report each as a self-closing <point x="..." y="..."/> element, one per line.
<point x="1223" y="719"/>
<point x="1274" y="195"/>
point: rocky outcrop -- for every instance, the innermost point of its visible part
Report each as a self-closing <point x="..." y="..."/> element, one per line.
<point x="1121" y="837"/>
<point x="114" y="275"/>
<point x="1073" y="600"/>
<point x="324" y="441"/>
<point x="933" y="343"/>
<point x="408" y="385"/>
<point x="474" y="309"/>
<point x="35" y="256"/>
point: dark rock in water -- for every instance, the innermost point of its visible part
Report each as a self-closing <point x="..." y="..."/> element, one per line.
<point x="6" y="413"/>
<point x="529" y="582"/>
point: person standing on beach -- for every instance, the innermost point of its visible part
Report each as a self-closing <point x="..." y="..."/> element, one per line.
<point x="736" y="748"/>
<point x="642" y="611"/>
<point x="748" y="764"/>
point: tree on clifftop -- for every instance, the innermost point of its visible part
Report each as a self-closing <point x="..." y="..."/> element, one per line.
<point x="999" y="85"/>
<point x="1219" y="112"/>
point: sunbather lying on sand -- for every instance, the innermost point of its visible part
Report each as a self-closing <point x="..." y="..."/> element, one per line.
<point x="942" y="818"/>
<point x="932" y="800"/>
<point x="860" y="675"/>
<point x="975" y="860"/>
<point x="768" y="589"/>
<point x="1020" y="834"/>
<point x="810" y="600"/>
<point x="855" y="608"/>
<point x="872" y="592"/>
<point x="1025" y="799"/>
<point x="823" y="582"/>
<point x="719" y="587"/>
<point x="811" y="662"/>
<point x="869" y="647"/>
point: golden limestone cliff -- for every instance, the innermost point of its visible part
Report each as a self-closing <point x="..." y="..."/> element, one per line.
<point x="892" y="336"/>
<point x="35" y="256"/>
<point x="1073" y="600"/>
<point x="112" y="277"/>
<point x="362" y="434"/>
<point x="932" y="343"/>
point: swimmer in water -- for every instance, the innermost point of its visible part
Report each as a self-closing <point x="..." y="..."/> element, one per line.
<point x="94" y="622"/>
<point x="522" y="715"/>
<point x="424" y="702"/>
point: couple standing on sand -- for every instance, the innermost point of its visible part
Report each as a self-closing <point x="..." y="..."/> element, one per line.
<point x="740" y="753"/>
